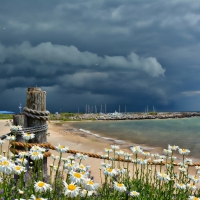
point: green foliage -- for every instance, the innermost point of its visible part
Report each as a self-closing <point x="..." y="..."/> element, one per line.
<point x="6" y="116"/>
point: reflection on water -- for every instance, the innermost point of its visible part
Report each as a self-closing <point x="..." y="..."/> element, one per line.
<point x="182" y="132"/>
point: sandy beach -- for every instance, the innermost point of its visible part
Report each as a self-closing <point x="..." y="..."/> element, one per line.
<point x="65" y="134"/>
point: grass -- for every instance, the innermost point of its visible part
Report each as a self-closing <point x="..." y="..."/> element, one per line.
<point x="146" y="176"/>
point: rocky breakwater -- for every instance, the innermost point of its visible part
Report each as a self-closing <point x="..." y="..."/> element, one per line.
<point x="139" y="116"/>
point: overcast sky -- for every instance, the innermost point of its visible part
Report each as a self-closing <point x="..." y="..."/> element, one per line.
<point x="130" y="53"/>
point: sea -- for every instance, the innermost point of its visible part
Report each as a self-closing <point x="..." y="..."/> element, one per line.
<point x="184" y="132"/>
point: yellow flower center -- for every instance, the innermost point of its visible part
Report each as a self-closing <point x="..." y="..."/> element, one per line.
<point x="17" y="167"/>
<point x="184" y="150"/>
<point x="35" y="153"/>
<point x="41" y="184"/>
<point x="120" y="184"/>
<point x="163" y="175"/>
<point x="38" y="199"/>
<point x="195" y="198"/>
<point x="5" y="163"/>
<point x="71" y="187"/>
<point x="28" y="134"/>
<point x="61" y="147"/>
<point x="90" y="183"/>
<point x="77" y="175"/>
<point x="134" y="193"/>
<point x="109" y="169"/>
<point x="82" y="167"/>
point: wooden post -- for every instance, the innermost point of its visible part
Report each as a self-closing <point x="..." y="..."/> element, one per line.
<point x="35" y="100"/>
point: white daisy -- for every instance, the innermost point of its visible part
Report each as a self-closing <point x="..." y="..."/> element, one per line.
<point x="181" y="186"/>
<point x="90" y="185"/>
<point x="104" y="156"/>
<point x="194" y="178"/>
<point x="16" y="128"/>
<point x="1" y="142"/>
<point x="163" y="176"/>
<point x="108" y="150"/>
<point x="76" y="177"/>
<point x="71" y="190"/>
<point x="23" y="154"/>
<point x="136" y="149"/>
<point x="54" y="157"/>
<point x="110" y="172"/>
<point x="182" y="169"/>
<point x="28" y="136"/>
<point x="188" y="161"/>
<point x="36" y="155"/>
<point x="128" y="154"/>
<point x="119" y="187"/>
<point x="2" y="158"/>
<point x="33" y="197"/>
<point x="65" y="160"/>
<point x="119" y="153"/>
<point x="41" y="186"/>
<point x="191" y="186"/>
<point x="87" y="193"/>
<point x="81" y="167"/>
<point x="184" y="151"/>
<point x="134" y="194"/>
<point x="145" y="153"/>
<point x="143" y="161"/>
<point x="22" y="161"/>
<point x="10" y="138"/>
<point x="6" y="167"/>
<point x="174" y="148"/>
<point x="127" y="158"/>
<point x="69" y="166"/>
<point x="167" y="151"/>
<point x="193" y="198"/>
<point x="18" y="169"/>
<point x="37" y="149"/>
<point x="62" y="149"/>
<point x="81" y="156"/>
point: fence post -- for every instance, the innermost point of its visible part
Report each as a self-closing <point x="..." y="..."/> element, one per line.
<point x="36" y="102"/>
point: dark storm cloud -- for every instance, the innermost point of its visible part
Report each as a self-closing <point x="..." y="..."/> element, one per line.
<point x="136" y="53"/>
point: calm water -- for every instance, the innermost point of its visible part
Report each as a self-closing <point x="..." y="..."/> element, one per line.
<point x="157" y="133"/>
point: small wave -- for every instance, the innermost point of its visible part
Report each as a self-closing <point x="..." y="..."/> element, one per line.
<point x="85" y="131"/>
<point x="120" y="141"/>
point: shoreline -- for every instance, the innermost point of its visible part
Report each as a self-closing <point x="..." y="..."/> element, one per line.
<point x="124" y="145"/>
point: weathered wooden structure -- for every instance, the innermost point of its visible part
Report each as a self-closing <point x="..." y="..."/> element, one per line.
<point x="34" y="118"/>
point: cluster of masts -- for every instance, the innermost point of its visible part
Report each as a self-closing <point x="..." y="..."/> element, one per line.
<point x="102" y="109"/>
